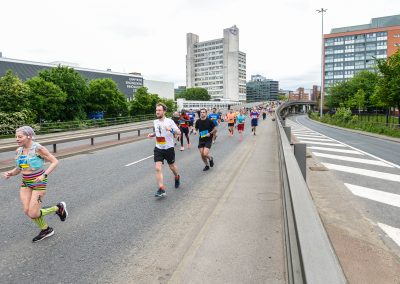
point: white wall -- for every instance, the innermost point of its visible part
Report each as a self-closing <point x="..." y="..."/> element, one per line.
<point x="162" y="89"/>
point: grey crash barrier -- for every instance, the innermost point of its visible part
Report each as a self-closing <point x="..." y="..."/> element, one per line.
<point x="309" y="252"/>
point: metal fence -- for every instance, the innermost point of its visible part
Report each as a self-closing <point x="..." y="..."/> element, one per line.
<point x="53" y="127"/>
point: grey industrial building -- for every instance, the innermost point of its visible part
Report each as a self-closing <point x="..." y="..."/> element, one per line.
<point x="127" y="83"/>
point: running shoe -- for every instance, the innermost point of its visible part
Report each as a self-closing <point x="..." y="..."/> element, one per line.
<point x="206" y="168"/>
<point x="62" y="211"/>
<point x="177" y="181"/>
<point x="43" y="234"/>
<point x="182" y="148"/>
<point x="160" y="193"/>
<point x="212" y="162"/>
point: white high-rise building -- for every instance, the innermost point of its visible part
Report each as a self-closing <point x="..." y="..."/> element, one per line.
<point x="217" y="65"/>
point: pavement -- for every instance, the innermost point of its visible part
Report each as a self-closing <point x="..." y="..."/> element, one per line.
<point x="242" y="240"/>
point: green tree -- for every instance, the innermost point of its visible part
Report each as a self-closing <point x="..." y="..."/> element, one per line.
<point x="103" y="95"/>
<point x="343" y="93"/>
<point x="74" y="85"/>
<point x="14" y="94"/>
<point x="388" y="88"/>
<point x="358" y="100"/>
<point x="143" y="102"/>
<point x="47" y="100"/>
<point x="195" y="94"/>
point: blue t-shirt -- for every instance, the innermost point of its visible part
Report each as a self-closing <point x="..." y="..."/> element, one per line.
<point x="191" y="115"/>
<point x="214" y="118"/>
<point x="240" y="118"/>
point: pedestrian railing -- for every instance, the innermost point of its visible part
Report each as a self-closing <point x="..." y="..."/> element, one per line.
<point x="54" y="139"/>
<point x="309" y="253"/>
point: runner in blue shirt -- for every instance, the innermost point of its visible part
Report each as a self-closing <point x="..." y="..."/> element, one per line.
<point x="216" y="119"/>
<point x="240" y="120"/>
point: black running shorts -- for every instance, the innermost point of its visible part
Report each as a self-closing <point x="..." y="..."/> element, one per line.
<point x="164" y="154"/>
<point x="205" y="144"/>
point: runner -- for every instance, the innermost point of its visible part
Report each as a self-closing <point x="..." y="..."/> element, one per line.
<point x="165" y="129"/>
<point x="230" y="117"/>
<point x="216" y="119"/>
<point x="30" y="157"/>
<point x="240" y="120"/>
<point x="264" y="114"/>
<point x="184" y="127"/>
<point x="254" y="114"/>
<point x="206" y="129"/>
<point x="192" y="116"/>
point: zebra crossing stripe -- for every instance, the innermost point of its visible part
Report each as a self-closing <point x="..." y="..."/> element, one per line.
<point x="375" y="195"/>
<point x="351" y="159"/>
<point x="314" y="139"/>
<point x="322" y="143"/>
<point x="392" y="232"/>
<point x="363" y="172"/>
<point x="335" y="150"/>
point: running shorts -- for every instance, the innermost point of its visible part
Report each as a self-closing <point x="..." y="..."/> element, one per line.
<point x="190" y="123"/>
<point x="254" y="122"/>
<point x="205" y="144"/>
<point x="28" y="181"/>
<point x="164" y="154"/>
<point x="240" y="127"/>
<point x="231" y="124"/>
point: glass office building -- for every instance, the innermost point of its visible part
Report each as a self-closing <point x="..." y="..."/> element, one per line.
<point x="349" y="50"/>
<point x="260" y="89"/>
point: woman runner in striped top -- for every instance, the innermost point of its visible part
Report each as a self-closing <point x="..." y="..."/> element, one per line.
<point x="30" y="157"/>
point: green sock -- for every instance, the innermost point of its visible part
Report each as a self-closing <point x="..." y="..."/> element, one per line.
<point x="47" y="210"/>
<point x="40" y="222"/>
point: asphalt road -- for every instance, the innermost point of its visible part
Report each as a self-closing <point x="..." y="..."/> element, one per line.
<point x="368" y="167"/>
<point x="384" y="149"/>
<point x="117" y="231"/>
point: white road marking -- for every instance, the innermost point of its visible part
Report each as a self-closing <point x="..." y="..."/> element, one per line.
<point x="392" y="232"/>
<point x="335" y="150"/>
<point x="309" y="135"/>
<point x="138" y="161"/>
<point x="314" y="139"/>
<point x="354" y="148"/>
<point x="375" y="195"/>
<point x="363" y="172"/>
<point x="351" y="159"/>
<point x="322" y="143"/>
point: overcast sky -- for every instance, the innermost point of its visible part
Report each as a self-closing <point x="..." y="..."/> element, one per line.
<point x="282" y="39"/>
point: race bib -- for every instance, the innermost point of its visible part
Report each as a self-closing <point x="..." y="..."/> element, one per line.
<point x="161" y="140"/>
<point x="203" y="134"/>
<point x="23" y="162"/>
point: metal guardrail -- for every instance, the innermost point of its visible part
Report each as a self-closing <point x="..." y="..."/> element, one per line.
<point x="82" y="135"/>
<point x="309" y="253"/>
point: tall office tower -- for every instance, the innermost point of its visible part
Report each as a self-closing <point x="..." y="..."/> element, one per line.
<point x="260" y="89"/>
<point x="352" y="49"/>
<point x="217" y="65"/>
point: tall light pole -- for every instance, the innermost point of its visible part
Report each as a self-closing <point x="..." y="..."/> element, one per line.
<point x="322" y="11"/>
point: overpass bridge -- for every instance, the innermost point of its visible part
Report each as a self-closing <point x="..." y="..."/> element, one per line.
<point x="251" y="218"/>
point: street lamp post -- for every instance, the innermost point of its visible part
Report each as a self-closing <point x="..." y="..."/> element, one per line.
<point x="322" y="11"/>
